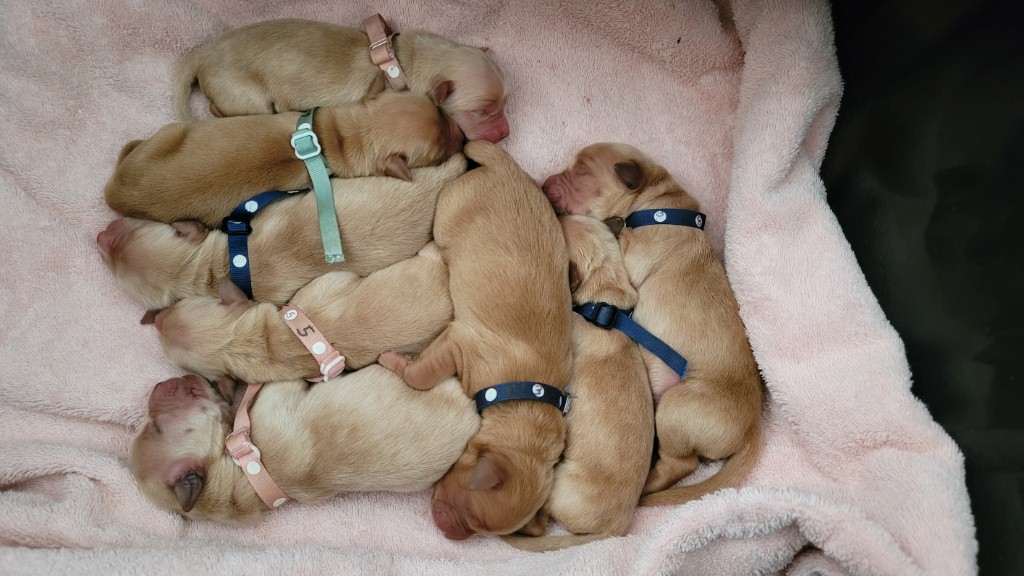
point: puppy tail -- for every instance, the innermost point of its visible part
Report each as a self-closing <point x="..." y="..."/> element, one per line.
<point x="732" y="472"/>
<point x="184" y="80"/>
<point x="483" y="152"/>
<point x="549" y="543"/>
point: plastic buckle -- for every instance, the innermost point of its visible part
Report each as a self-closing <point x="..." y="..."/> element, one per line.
<point x="303" y="131"/>
<point x="233" y="227"/>
<point x="604" y="315"/>
<point x="386" y="42"/>
<point x="242" y="449"/>
<point x="568" y="401"/>
<point x="327" y="368"/>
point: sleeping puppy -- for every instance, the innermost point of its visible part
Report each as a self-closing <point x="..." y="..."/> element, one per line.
<point x="202" y="170"/>
<point x="368" y="431"/>
<point x="383" y="220"/>
<point x="686" y="300"/>
<point x="403" y="306"/>
<point x="609" y="433"/>
<point x="507" y="267"/>
<point x="297" y="64"/>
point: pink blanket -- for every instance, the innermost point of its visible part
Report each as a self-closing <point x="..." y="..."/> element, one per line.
<point x="736" y="100"/>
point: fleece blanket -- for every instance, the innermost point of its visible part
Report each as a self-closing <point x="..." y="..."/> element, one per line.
<point x="736" y="99"/>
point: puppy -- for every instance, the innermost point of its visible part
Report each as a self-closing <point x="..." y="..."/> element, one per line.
<point x="382" y="220"/>
<point x="686" y="300"/>
<point x="202" y="170"/>
<point x="609" y="433"/>
<point x="508" y="266"/>
<point x="293" y="64"/>
<point x="403" y="306"/>
<point x="367" y="432"/>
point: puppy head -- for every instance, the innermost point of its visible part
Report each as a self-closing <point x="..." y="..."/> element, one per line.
<point x="505" y="474"/>
<point x="597" y="270"/>
<point x="201" y="333"/>
<point x="408" y="131"/>
<point x="607" y="180"/>
<point x="178" y="455"/>
<point x="149" y="258"/>
<point x="477" y="98"/>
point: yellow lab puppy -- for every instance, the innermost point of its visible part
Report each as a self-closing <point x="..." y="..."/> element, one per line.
<point x="292" y="64"/>
<point x="609" y="433"/>
<point x="508" y="268"/>
<point x="367" y="431"/>
<point x="202" y="170"/>
<point x="686" y="300"/>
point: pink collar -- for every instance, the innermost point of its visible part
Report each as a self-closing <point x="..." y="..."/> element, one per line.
<point x="247" y="455"/>
<point x="331" y="361"/>
<point x="383" y="53"/>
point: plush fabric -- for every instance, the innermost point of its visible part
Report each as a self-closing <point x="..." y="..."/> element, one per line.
<point x="737" y="100"/>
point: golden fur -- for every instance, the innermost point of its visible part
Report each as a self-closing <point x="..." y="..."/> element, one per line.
<point x="686" y="300"/>
<point x="292" y="64"/>
<point x="403" y="306"/>
<point x="366" y="432"/>
<point x="382" y="220"/>
<point x="508" y="269"/>
<point x="202" y="170"/>
<point x="609" y="431"/>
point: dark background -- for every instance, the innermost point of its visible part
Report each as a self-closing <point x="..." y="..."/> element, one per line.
<point x="924" y="171"/>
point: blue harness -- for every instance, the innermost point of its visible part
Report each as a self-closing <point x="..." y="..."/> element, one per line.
<point x="238" y="226"/>
<point x="608" y="316"/>
<point x="522" y="391"/>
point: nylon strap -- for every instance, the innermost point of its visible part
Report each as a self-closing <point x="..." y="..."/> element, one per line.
<point x="608" y="316"/>
<point x="307" y="148"/>
<point x="247" y="456"/>
<point x="507" y="391"/>
<point x="238" y="226"/>
<point x="382" y="52"/>
<point x="673" y="216"/>
<point x="331" y="361"/>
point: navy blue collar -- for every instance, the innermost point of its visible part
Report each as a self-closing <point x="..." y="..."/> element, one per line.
<point x="607" y="316"/>
<point x="673" y="216"/>
<point x="238" y="226"/>
<point x="522" y="391"/>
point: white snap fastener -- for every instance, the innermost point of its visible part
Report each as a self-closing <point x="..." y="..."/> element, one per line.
<point x="290" y="315"/>
<point x="660" y="216"/>
<point x="393" y="71"/>
<point x="538" y="390"/>
<point x="319" y="347"/>
<point x="253" y="468"/>
<point x="491" y="394"/>
<point x="251" y="206"/>
<point x="279" y="502"/>
<point x="699" y="220"/>
<point x="238" y="261"/>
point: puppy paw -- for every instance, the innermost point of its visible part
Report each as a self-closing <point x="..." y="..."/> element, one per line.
<point x="393" y="361"/>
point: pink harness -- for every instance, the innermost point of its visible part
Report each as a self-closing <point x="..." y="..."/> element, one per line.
<point x="244" y="453"/>
<point x="383" y="53"/>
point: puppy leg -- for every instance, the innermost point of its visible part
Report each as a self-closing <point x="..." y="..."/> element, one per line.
<point x="435" y="363"/>
<point x="538" y="526"/>
<point x="676" y="455"/>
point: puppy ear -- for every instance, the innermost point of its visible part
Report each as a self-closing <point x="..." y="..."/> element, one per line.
<point x="615" y="224"/>
<point x="230" y="293"/>
<point x="488" y="473"/>
<point x="631" y="174"/>
<point x="574" y="277"/>
<point x="149" y="317"/>
<point x="188" y="229"/>
<point x="441" y="90"/>
<point x="397" y="167"/>
<point x="188" y="487"/>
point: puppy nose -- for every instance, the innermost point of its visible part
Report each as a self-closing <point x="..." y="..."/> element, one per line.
<point x="548" y="183"/>
<point x="158" y="319"/>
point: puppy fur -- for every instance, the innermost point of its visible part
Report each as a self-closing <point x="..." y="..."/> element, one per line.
<point x="202" y="170"/>
<point x="508" y="268"/>
<point x="403" y="306"/>
<point x="382" y="220"/>
<point x="686" y="300"/>
<point x="609" y="432"/>
<point x="367" y="432"/>
<point x="292" y="64"/>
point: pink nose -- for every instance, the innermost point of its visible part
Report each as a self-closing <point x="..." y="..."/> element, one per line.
<point x="105" y="239"/>
<point x="158" y="319"/>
